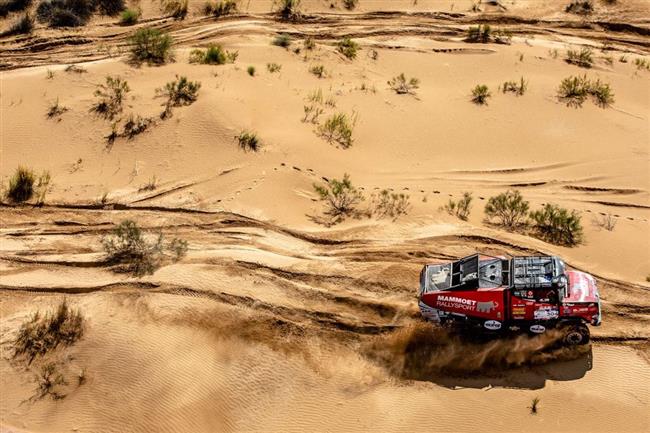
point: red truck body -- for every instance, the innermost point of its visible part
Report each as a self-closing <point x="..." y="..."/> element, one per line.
<point x="498" y="294"/>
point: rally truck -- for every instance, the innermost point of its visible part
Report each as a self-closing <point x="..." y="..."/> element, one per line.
<point x="499" y="295"/>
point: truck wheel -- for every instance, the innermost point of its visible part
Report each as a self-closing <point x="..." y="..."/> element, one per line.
<point x="576" y="335"/>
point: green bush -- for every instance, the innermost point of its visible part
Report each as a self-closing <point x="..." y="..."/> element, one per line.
<point x="249" y="141"/>
<point x="251" y="71"/>
<point x="318" y="70"/>
<point x="111" y="97"/>
<point x="289" y="9"/>
<point x="348" y="48"/>
<point x="129" y="17"/>
<point x="128" y="246"/>
<point x="341" y="198"/>
<point x="480" y="94"/>
<point x="389" y="205"/>
<point x="220" y="8"/>
<point x="509" y="208"/>
<point x="152" y="46"/>
<point x="179" y="92"/>
<point x="480" y="33"/>
<point x="8" y="6"/>
<point x="273" y="67"/>
<point x="557" y="225"/>
<point x="602" y="93"/>
<point x="213" y="55"/>
<point x="174" y="8"/>
<point x="282" y="40"/>
<point x="582" y="58"/>
<point x="514" y="87"/>
<point x="109" y="7"/>
<point x="461" y="208"/>
<point x="22" y="26"/>
<point x="135" y="125"/>
<point x="21" y="185"/>
<point x="65" y="13"/>
<point x="338" y="128"/>
<point x="42" y="333"/>
<point x="580" y="7"/>
<point x="403" y="86"/>
<point x="575" y="90"/>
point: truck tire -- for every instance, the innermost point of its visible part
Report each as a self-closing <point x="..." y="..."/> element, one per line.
<point x="575" y="335"/>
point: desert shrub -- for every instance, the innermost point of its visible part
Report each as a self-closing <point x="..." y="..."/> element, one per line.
<point x="350" y="4"/>
<point x="273" y="67"/>
<point x="21" y="185"/>
<point x="403" y="86"/>
<point x="248" y="140"/>
<point x="606" y="221"/>
<point x="282" y="40"/>
<point x="509" y="208"/>
<point x="312" y="113"/>
<point x="111" y="97"/>
<point x="178" y="248"/>
<point x="49" y="379"/>
<point x="151" y="184"/>
<point x="174" y="8"/>
<point x="338" y="128"/>
<point x="220" y="8"/>
<point x="318" y="70"/>
<point x="44" y="332"/>
<point x="480" y="33"/>
<point x="309" y="43"/>
<point x="251" y="71"/>
<point x="75" y="69"/>
<point x="55" y="109"/>
<point x="533" y="406"/>
<point x="129" y="247"/>
<point x="213" y="55"/>
<point x="152" y="46"/>
<point x="129" y="17"/>
<point x="288" y="9"/>
<point x="42" y="187"/>
<point x="642" y="64"/>
<point x="461" y="208"/>
<point x="518" y="88"/>
<point x="500" y="36"/>
<point x="575" y="90"/>
<point x="22" y="26"/>
<point x="348" y="48"/>
<point x="341" y="198"/>
<point x="135" y="125"/>
<point x="110" y="7"/>
<point x="8" y="6"/>
<point x="389" y="205"/>
<point x="480" y="94"/>
<point x="557" y="225"/>
<point x="65" y="13"/>
<point x="580" y="7"/>
<point x="582" y="58"/>
<point x="179" y="92"/>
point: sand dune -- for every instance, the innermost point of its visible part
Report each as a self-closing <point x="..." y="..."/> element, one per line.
<point x="274" y="321"/>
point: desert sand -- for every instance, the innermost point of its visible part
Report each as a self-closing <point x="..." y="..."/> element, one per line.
<point x="274" y="322"/>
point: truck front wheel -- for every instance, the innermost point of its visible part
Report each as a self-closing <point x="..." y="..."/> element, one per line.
<point x="575" y="334"/>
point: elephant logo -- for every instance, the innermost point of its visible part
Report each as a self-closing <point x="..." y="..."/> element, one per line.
<point x="486" y="307"/>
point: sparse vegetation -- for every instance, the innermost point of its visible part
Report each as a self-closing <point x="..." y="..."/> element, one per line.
<point x="8" y="6"/>
<point x="348" y="48"/>
<point x="213" y="55"/>
<point x="220" y="8"/>
<point x="176" y="9"/>
<point x="575" y="90"/>
<point x="129" y="17"/>
<point x="642" y="64"/>
<point x="129" y="247"/>
<point x="389" y="205"/>
<point x="533" y="406"/>
<point x="42" y="187"/>
<point x="273" y="67"/>
<point x="480" y="33"/>
<point x="606" y="221"/>
<point x="350" y="4"/>
<point x="518" y="88"/>
<point x="111" y="97"/>
<point x="557" y="225"/>
<point x="251" y="71"/>
<point x="341" y="198"/>
<point x="55" y="109"/>
<point x="282" y="40"/>
<point x="151" y="184"/>
<point x="480" y="94"/>
<point x="49" y="74"/>
<point x="509" y="209"/>
<point x="580" y="7"/>
<point x="178" y="248"/>
<point x="401" y="85"/>
<point x="312" y="113"/>
<point x="21" y="185"/>
<point x="338" y="128"/>
<point x="22" y="26"/>
<point x="582" y="58"/>
<point x="75" y="69"/>
<point x="65" y="13"/>
<point x="179" y="92"/>
<point x="461" y="208"/>
<point x="288" y="9"/>
<point x="309" y="43"/>
<point x="248" y="140"/>
<point x="554" y="53"/>
<point x="318" y="70"/>
<point x="151" y="46"/>
<point x="44" y="332"/>
<point x="135" y="125"/>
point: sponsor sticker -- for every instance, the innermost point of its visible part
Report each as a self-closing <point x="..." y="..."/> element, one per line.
<point x="546" y="313"/>
<point x="492" y="325"/>
<point x="537" y="329"/>
<point x="428" y="312"/>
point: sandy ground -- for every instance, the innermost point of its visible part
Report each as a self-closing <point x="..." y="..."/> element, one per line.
<point x="273" y="322"/>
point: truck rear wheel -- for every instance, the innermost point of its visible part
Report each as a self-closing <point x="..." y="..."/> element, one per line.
<point x="575" y="335"/>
